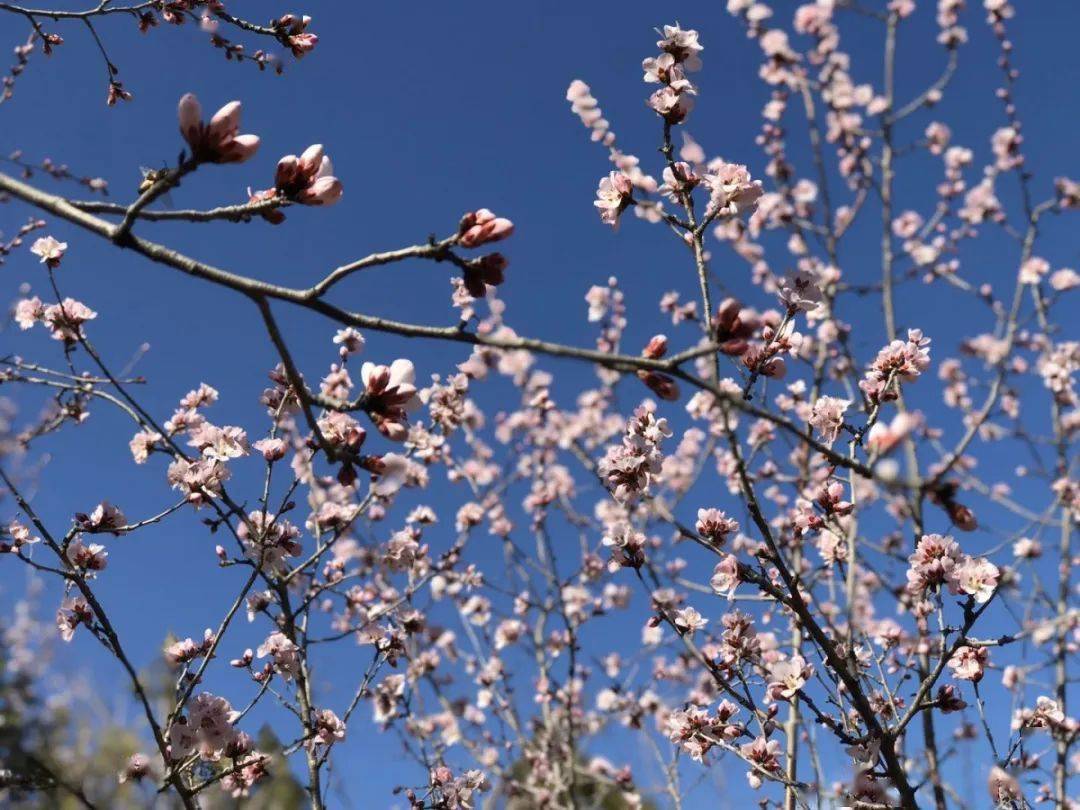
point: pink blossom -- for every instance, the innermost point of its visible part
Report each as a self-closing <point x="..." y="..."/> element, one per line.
<point x="187" y="650"/>
<point x="629" y="468"/>
<point x="787" y="677"/>
<point x="65" y="319"/>
<point x="18" y="536"/>
<point x="764" y="754"/>
<point x="198" y="480"/>
<point x="73" y="611"/>
<point x="142" y="444"/>
<point x="390" y="396"/>
<point x="328" y="727"/>
<point x="29" y="311"/>
<point x="1006" y="147"/>
<point x="49" y="250"/>
<point x="220" y="443"/>
<point x="87" y="557"/>
<point x="812" y="18"/>
<point x="1064" y="279"/>
<point x="827" y="417"/>
<point x="584" y="105"/>
<point x="968" y="663"/>
<point x="933" y="562"/>
<point x="105" y="518"/>
<point x="725" y="576"/>
<point x="980" y="203"/>
<point x="665" y="70"/>
<point x="671" y="105"/>
<point x="350" y="340"/>
<point x="268" y="539"/>
<point x="683" y="45"/>
<point x="688" y="620"/>
<point x="899" y="361"/>
<point x="284" y="654"/>
<point x="1068" y="192"/>
<point x="627" y="547"/>
<point x="612" y="197"/>
<point x="715" y="526"/>
<point x="1004" y="788"/>
<point x="937" y="137"/>
<point x="907" y="224"/>
<point x="1033" y="270"/>
<point x="975" y="576"/>
<point x="211" y="717"/>
<point x="731" y="189"/>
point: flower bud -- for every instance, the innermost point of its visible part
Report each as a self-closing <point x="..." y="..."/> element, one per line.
<point x="656" y="348"/>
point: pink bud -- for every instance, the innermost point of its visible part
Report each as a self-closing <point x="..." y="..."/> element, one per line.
<point x="239" y="149"/>
<point x="775" y="368"/>
<point x="962" y="517"/>
<point x="288" y="170"/>
<point x="311" y="160"/>
<point x="485" y="227"/>
<point x="727" y="313"/>
<point x="660" y="384"/>
<point x="501" y="228"/>
<point x="226" y="121"/>
<point x="324" y="191"/>
<point x="301" y="44"/>
<point x="190" y="114"/>
<point x="656" y="348"/>
<point x="378" y="379"/>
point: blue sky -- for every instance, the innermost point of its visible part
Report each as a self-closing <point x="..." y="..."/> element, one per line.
<point x="429" y="110"/>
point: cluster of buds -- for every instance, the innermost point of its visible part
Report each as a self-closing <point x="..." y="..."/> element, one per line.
<point x="219" y="141"/>
<point x="479" y="228"/>
<point x="766" y="359"/>
<point x="483" y="272"/>
<point x="831" y="499"/>
<point x="307" y="180"/>
<point x="732" y="328"/>
<point x="292" y="32"/>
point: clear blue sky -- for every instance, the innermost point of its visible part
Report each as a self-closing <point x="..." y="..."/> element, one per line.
<point x="429" y="110"/>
